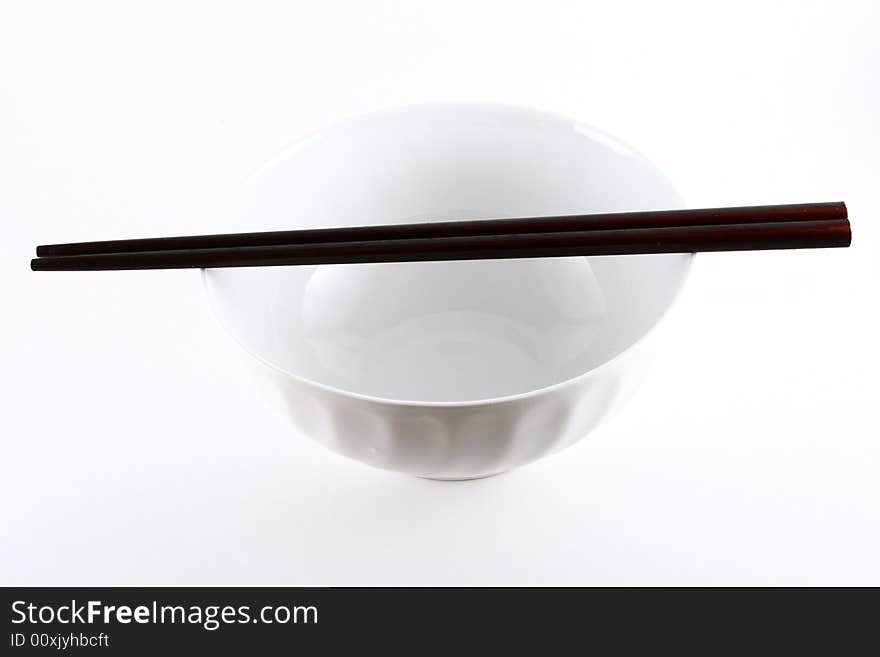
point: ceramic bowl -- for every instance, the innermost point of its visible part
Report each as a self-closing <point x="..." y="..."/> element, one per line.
<point x="449" y="370"/>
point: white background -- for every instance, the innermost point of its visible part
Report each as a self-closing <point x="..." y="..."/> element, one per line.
<point x="134" y="450"/>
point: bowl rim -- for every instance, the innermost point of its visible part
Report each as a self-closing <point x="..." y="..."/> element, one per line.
<point x="586" y="128"/>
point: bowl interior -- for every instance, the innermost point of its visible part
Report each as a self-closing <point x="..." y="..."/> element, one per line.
<point x="447" y="331"/>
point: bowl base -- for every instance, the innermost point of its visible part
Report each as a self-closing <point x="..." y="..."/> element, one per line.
<point x="474" y="478"/>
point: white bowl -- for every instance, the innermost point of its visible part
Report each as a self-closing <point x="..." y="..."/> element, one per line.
<point x="449" y="370"/>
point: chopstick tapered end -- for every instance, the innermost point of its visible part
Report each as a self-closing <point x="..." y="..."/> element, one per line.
<point x="45" y="264"/>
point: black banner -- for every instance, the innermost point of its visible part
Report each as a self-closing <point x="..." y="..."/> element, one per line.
<point x="149" y="620"/>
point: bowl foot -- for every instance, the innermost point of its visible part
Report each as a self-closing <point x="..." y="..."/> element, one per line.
<point x="485" y="476"/>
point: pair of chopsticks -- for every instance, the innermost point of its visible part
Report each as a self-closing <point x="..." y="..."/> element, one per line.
<point x="803" y="226"/>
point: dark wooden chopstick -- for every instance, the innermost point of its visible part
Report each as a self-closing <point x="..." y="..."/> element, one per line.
<point x="606" y="221"/>
<point x="667" y="239"/>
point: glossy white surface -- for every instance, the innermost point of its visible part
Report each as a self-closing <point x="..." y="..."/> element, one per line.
<point x="410" y="366"/>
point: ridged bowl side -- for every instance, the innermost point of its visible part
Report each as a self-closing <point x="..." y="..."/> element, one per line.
<point x="457" y="441"/>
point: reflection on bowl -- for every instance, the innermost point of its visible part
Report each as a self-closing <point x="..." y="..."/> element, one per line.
<point x="449" y="369"/>
<point x="482" y="329"/>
